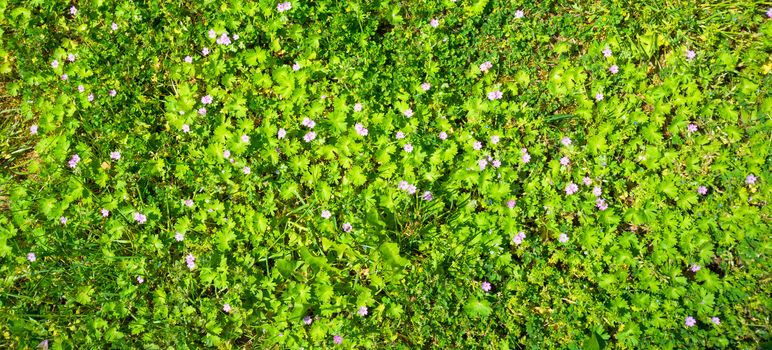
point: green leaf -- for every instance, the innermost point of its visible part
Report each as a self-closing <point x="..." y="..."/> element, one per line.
<point x="477" y="308"/>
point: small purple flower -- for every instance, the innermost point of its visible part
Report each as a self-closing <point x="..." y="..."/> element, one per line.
<point x="65" y="76"/>
<point x="188" y="203"/>
<point x="750" y="179"/>
<point x="31" y="257"/>
<point x="614" y="69"/>
<point x="403" y="185"/>
<point x="695" y="268"/>
<point x="81" y="88"/>
<point x="71" y="57"/>
<point x="63" y="220"/>
<point x="690" y="55"/>
<point x="296" y="66"/>
<point x="206" y="99"/>
<point x="202" y="111"/>
<point x="408" y="148"/>
<point x="769" y="12"/>
<point x="226" y="307"/>
<point x="185" y="128"/>
<point x="246" y="170"/>
<point x="90" y="97"/>
<point x="212" y="34"/>
<point x="496" y="163"/>
<point x="434" y="23"/>
<point x="337" y="339"/>
<point x="564" y="161"/>
<point x="360" y="129"/>
<point x="571" y="188"/>
<point x="190" y="260"/>
<point x="427" y="196"/>
<point x="443" y="136"/>
<point x="105" y="212"/>
<point x="307" y="122"/>
<point x="245" y="138"/>
<point x="55" y="64"/>
<point x="73" y="10"/>
<point x="362" y="311"/>
<point x="113" y="93"/>
<point x="486" y="286"/>
<point x="74" y="161"/>
<point x="597" y="191"/>
<point x="518" y="239"/>
<point x="412" y="189"/>
<point x="188" y="59"/>
<point x="308" y="320"/>
<point x="114" y="26"/>
<point x="357" y="107"/>
<point x="587" y="181"/>
<point x="511" y="204"/>
<point x="33" y="129"/>
<point x="426" y="86"/>
<point x="347" y="227"/>
<point x="281" y="133"/>
<point x="408" y="112"/>
<point x="495" y="139"/>
<point x="477" y="145"/>
<point x="115" y="155"/>
<point x="485" y="66"/>
<point x="326" y="214"/>
<point x="205" y="51"/>
<point x="226" y="153"/>
<point x="179" y="236"/>
<point x="526" y="157"/>
<point x="702" y="190"/>
<point x="140" y="280"/>
<point x="519" y="14"/>
<point x="399" y="135"/>
<point x="310" y="136"/>
<point x="224" y="39"/>
<point x="140" y="218"/>
<point x="715" y="320"/>
<point x="565" y="141"/>
<point x="284" y="6"/>
<point x="691" y="128"/>
<point x="563" y="238"/>
<point x="607" y="52"/>
<point x="495" y="95"/>
<point x="482" y="163"/>
<point x="599" y="97"/>
<point x="600" y="203"/>
<point x="690" y="321"/>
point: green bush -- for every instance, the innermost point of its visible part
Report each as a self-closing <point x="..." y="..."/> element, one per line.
<point x="240" y="174"/>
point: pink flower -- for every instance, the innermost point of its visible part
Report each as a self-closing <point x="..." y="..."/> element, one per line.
<point x="202" y="111"/>
<point x="690" y="55"/>
<point x="114" y="26"/>
<point x="226" y="307"/>
<point x="226" y="153"/>
<point x="212" y="34"/>
<point x="614" y="69"/>
<point x="485" y="66"/>
<point x="65" y="76"/>
<point x="188" y="59"/>
<point x="115" y="155"/>
<point x="224" y="39"/>
<point x="310" y="136"/>
<point x="427" y="196"/>
<point x="190" y="260"/>
<point x="477" y="145"/>
<point x="357" y="107"/>
<point x="362" y="311"/>
<point x="308" y="320"/>
<point x="597" y="191"/>
<point x="81" y="88"/>
<point x="607" y="52"/>
<point x="564" y="161"/>
<point x="702" y="190"/>
<point x="526" y="157"/>
<point x="284" y="6"/>
<point x="518" y="239"/>
<point x="434" y="23"/>
<point x="296" y="66"/>
<point x="33" y="129"/>
<point x="347" y="227"/>
<point x="326" y="214"/>
<point x="408" y="112"/>
<point x="140" y="280"/>
<point x="600" y="203"/>
<point x="511" y="204"/>
<point x="308" y="123"/>
<point x="565" y="141"/>
<point x="63" y="220"/>
<point x="769" y="12"/>
<point x="408" y="148"/>
<point x="519" y="14"/>
<point x="246" y="170"/>
<point x="495" y="139"/>
<point x="403" y="185"/>
<point x="113" y="93"/>
<point x="179" y="236"/>
<point x="281" y="133"/>
<point x="140" y="218"/>
<point x="188" y="203"/>
<point x="185" y="128"/>
<point x="337" y="339"/>
<point x="90" y="97"/>
<point x="206" y="99"/>
<point x="73" y="10"/>
<point x="690" y="321"/>
<point x="205" y="51"/>
<point x="563" y="238"/>
<point x="486" y="286"/>
<point x="412" y="189"/>
<point x="571" y="188"/>
<point x="55" y="64"/>
<point x="31" y="257"/>
<point x="750" y="179"/>
<point x="496" y="163"/>
<point x="587" y="181"/>
<point x="482" y="163"/>
<point x="495" y="95"/>
<point x="691" y="128"/>
<point x="245" y="138"/>
<point x="71" y="57"/>
<point x="74" y="161"/>
<point x="400" y="135"/>
<point x="105" y="212"/>
<point x="716" y="320"/>
<point x="696" y="268"/>
<point x="361" y="130"/>
<point x="426" y="86"/>
<point x="443" y="135"/>
<point x="599" y="97"/>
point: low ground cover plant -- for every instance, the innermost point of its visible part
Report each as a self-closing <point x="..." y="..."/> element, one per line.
<point x="380" y="174"/>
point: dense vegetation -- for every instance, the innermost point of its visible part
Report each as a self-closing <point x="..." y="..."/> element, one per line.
<point x="382" y="174"/>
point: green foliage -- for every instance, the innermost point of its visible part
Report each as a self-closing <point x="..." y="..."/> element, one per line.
<point x="228" y="204"/>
